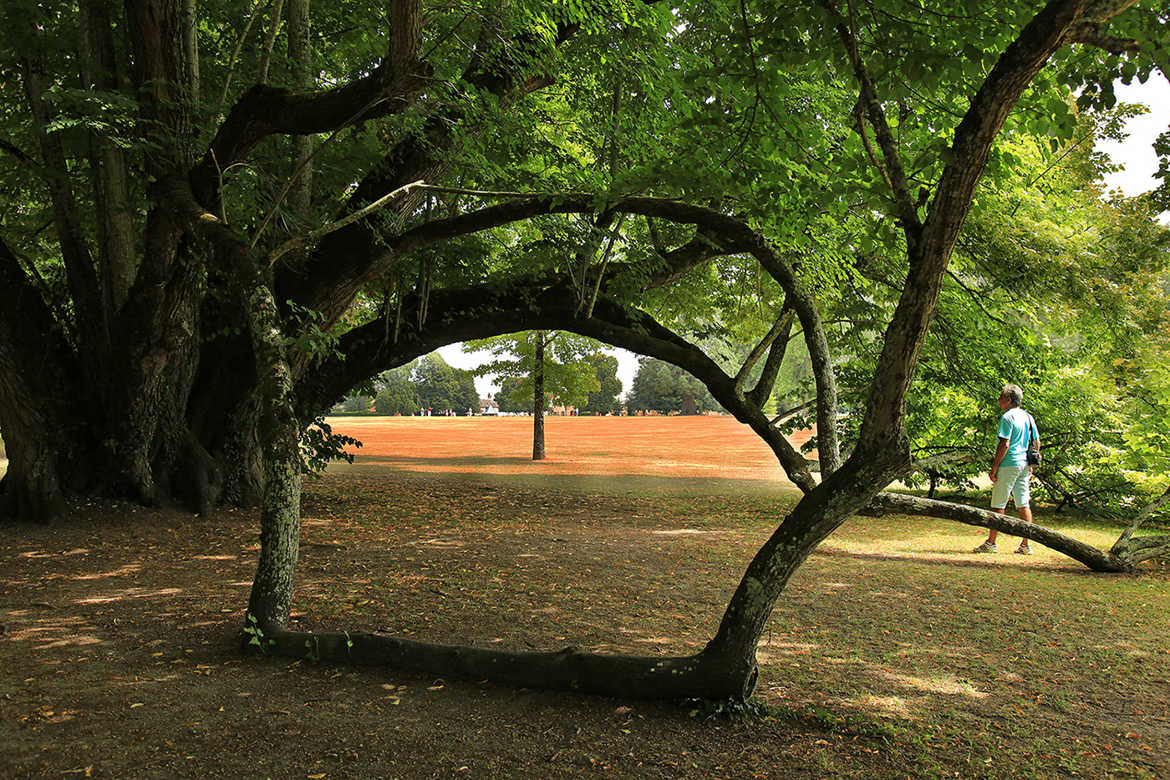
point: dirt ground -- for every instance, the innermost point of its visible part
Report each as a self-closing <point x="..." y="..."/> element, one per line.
<point x="119" y="655"/>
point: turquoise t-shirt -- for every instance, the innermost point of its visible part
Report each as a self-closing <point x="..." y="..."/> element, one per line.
<point x="1018" y="427"/>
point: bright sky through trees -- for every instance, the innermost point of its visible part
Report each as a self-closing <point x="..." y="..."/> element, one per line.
<point x="1136" y="154"/>
<point x="455" y="356"/>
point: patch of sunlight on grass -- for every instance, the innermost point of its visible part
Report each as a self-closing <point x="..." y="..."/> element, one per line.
<point x="883" y="705"/>
<point x="779" y="650"/>
<point x="142" y="682"/>
<point x="440" y="543"/>
<point x="130" y="593"/>
<point x="76" y="640"/>
<point x="941" y="685"/>
<point x="929" y="539"/>
<point x="129" y="568"/>
<point x="206" y="623"/>
<point x="56" y="632"/>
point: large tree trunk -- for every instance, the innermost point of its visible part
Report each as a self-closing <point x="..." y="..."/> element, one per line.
<point x="37" y="381"/>
<point x="154" y="363"/>
<point x="237" y="450"/>
<point x="30" y="489"/>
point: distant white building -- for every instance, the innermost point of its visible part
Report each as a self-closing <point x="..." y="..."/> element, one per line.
<point x="488" y="406"/>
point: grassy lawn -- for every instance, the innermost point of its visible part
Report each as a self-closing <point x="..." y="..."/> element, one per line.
<point x="894" y="652"/>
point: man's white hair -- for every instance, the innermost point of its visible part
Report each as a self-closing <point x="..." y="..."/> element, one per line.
<point x="1013" y="393"/>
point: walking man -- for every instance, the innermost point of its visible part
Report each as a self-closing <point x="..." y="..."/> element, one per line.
<point x="1009" y="469"/>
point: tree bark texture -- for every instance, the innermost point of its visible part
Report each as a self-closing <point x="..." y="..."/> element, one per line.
<point x="702" y="675"/>
<point x="36" y="366"/>
<point x="538" y="399"/>
<point x="111" y="182"/>
<point x="280" y="512"/>
<point x="30" y="489"/>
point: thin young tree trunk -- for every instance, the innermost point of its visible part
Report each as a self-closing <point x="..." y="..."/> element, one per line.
<point x="91" y="322"/>
<point x="111" y="182"/>
<point x="189" y="22"/>
<point x="538" y="399"/>
<point x="301" y="146"/>
<point x="269" y="42"/>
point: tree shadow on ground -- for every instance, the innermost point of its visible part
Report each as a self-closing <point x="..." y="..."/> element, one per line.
<point x="526" y="473"/>
<point x="952" y="559"/>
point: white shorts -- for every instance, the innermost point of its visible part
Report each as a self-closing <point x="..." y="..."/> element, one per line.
<point x="1011" y="481"/>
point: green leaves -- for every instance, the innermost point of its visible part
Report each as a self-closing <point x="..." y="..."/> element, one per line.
<point x="570" y="373"/>
<point x="112" y="116"/>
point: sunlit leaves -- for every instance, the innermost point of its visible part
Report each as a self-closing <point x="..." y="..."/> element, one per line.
<point x="569" y="372"/>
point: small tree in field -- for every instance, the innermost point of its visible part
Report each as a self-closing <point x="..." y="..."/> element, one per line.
<point x="543" y="365"/>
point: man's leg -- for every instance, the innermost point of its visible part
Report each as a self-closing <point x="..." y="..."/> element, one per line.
<point x="1000" y="492"/>
<point x="1023" y="507"/>
<point x="992" y="533"/>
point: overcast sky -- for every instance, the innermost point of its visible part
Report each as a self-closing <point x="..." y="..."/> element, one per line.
<point x="1136" y="154"/>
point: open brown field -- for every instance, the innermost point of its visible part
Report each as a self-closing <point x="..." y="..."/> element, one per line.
<point x="674" y="448"/>
<point x="892" y="653"/>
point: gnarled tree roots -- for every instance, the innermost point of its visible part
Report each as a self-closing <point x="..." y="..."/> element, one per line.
<point x="699" y="676"/>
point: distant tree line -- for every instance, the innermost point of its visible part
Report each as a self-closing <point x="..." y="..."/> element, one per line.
<point x="427" y="384"/>
<point x="665" y="388"/>
<point x="430" y="383"/>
